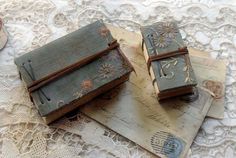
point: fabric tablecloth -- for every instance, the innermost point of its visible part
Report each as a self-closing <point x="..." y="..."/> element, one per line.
<point x="208" y="25"/>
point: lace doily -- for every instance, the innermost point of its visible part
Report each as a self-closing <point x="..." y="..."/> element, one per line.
<point x="208" y="25"/>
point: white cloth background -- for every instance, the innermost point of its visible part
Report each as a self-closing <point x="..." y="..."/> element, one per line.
<point x="208" y="25"/>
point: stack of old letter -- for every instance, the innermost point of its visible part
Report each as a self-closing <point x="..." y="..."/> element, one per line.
<point x="167" y="129"/>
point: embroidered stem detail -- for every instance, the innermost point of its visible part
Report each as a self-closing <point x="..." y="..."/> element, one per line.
<point x="187" y="69"/>
<point x="166" y="64"/>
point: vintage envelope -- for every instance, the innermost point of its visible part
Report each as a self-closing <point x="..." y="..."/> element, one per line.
<point x="208" y="71"/>
<point x="166" y="129"/>
<point x="211" y="74"/>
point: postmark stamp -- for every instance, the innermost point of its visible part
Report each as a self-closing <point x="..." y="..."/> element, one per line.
<point x="214" y="86"/>
<point x="167" y="144"/>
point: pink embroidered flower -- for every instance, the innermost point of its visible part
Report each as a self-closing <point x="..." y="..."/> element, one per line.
<point x="87" y="85"/>
<point x="103" y="31"/>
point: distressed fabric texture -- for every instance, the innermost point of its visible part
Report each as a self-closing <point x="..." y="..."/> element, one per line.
<point x="208" y="25"/>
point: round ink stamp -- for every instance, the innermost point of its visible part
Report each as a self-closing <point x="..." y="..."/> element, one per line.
<point x="214" y="86"/>
<point x="167" y="144"/>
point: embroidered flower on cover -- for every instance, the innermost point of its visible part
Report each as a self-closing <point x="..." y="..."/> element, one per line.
<point x="106" y="71"/>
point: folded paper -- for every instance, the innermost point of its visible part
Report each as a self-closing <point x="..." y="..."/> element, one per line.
<point x="166" y="129"/>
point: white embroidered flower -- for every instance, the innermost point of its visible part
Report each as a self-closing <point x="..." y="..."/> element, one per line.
<point x="167" y="29"/>
<point x="161" y="41"/>
<point x="106" y="71"/>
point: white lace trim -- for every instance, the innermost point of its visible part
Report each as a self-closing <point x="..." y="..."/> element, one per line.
<point x="208" y="25"/>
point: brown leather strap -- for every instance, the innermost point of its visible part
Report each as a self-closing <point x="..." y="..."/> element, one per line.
<point x="180" y="51"/>
<point x="49" y="78"/>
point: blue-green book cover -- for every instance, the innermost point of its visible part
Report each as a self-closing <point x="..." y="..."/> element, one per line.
<point x="81" y="85"/>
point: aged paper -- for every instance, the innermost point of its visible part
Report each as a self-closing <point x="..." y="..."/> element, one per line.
<point x="211" y="74"/>
<point x="205" y="69"/>
<point x="198" y="53"/>
<point x="167" y="129"/>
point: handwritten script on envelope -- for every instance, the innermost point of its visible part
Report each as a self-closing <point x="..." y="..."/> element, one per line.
<point x="166" y="129"/>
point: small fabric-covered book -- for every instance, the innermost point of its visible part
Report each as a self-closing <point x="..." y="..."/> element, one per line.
<point x="73" y="69"/>
<point x="167" y="60"/>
